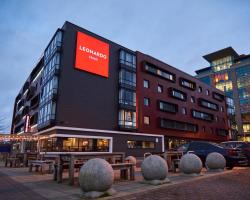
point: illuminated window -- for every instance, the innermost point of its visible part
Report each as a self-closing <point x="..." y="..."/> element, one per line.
<point x="222" y="64"/>
<point x="140" y="144"/>
<point x="127" y="119"/>
<point x="246" y="128"/>
<point x="146" y="120"/>
<point x="224" y="86"/>
<point x="207" y="92"/>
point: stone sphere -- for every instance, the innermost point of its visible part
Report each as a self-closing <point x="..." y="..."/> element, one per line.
<point x="154" y="168"/>
<point x="215" y="161"/>
<point x="96" y="175"/>
<point x="190" y="164"/>
<point x="131" y="159"/>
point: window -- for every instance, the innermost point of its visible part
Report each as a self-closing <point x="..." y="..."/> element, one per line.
<point x="127" y="59"/>
<point x="146" y="120"/>
<point x="218" y="96"/>
<point x="127" y="78"/>
<point x="127" y="97"/>
<point x="202" y="115"/>
<point x="127" y="119"/>
<point x="178" y="94"/>
<point x="222" y="109"/>
<point x="48" y="90"/>
<point x="200" y="89"/>
<point x="53" y="46"/>
<point x="47" y="112"/>
<point x="222" y="132"/>
<point x="160" y="89"/>
<point x="192" y="99"/>
<point x="216" y="118"/>
<point x="146" y="101"/>
<point x="212" y="130"/>
<point x="222" y="63"/>
<point x="178" y="125"/>
<point x="159" y="72"/>
<point x="140" y="144"/>
<point x="224" y="86"/>
<point x="145" y="83"/>
<point x="187" y="84"/>
<point x="207" y="104"/>
<point x="204" y="129"/>
<point x="75" y="144"/>
<point x="230" y="102"/>
<point x="184" y="111"/>
<point x="168" y="107"/>
<point x="51" y="68"/>
<point x="246" y="128"/>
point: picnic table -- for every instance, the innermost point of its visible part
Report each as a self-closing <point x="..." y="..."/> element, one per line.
<point x="13" y="162"/>
<point x="41" y="164"/>
<point x="172" y="158"/>
<point x="73" y="161"/>
<point x="125" y="169"/>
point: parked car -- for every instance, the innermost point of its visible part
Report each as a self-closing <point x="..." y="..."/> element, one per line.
<point x="234" y="157"/>
<point x="244" y="146"/>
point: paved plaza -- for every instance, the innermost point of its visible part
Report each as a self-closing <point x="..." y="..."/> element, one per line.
<point x="19" y="184"/>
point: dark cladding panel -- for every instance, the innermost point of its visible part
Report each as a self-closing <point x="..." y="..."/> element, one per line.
<point x="85" y="99"/>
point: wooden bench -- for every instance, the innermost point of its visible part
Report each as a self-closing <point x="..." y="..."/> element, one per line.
<point x="13" y="162"/>
<point x="40" y="164"/>
<point x="175" y="163"/>
<point x="125" y="169"/>
<point x="57" y="173"/>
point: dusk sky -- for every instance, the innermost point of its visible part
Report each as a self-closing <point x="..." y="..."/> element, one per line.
<point x="178" y="32"/>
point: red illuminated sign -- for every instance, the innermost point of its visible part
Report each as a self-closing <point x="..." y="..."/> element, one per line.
<point x="92" y="55"/>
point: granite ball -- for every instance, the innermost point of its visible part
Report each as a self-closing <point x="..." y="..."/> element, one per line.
<point x="96" y="175"/>
<point x="215" y="161"/>
<point x="154" y="168"/>
<point x="190" y="164"/>
<point x="131" y="159"/>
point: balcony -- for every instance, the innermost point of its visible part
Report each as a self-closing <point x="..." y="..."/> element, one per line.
<point x="31" y="92"/>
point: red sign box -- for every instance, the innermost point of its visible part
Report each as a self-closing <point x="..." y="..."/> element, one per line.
<point x="92" y="55"/>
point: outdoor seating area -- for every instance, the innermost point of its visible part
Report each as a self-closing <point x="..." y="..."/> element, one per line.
<point x="66" y="168"/>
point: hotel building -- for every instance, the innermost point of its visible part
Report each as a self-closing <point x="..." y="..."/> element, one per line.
<point x="90" y="94"/>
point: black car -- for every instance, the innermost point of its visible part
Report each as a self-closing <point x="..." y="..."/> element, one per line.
<point x="234" y="157"/>
<point x="244" y="146"/>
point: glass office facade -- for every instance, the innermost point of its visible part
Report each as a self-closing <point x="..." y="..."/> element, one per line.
<point x="243" y="85"/>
